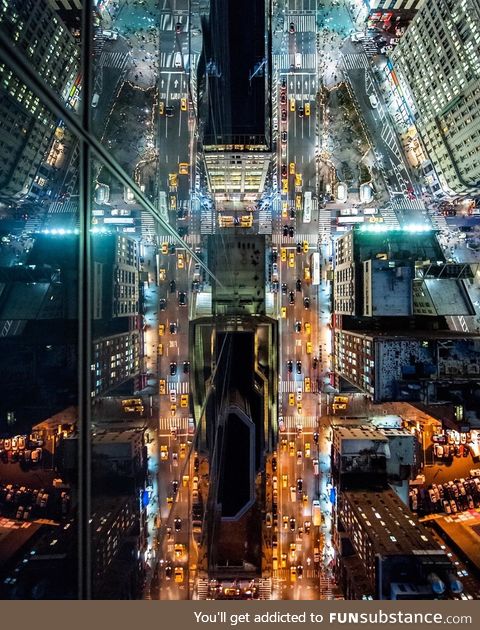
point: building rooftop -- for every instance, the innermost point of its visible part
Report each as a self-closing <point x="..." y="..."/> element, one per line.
<point x="358" y="433"/>
<point x="389" y="524"/>
<point x="387" y="288"/>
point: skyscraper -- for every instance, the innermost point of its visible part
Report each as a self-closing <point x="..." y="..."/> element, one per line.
<point x="438" y="65"/>
<point x="27" y="128"/>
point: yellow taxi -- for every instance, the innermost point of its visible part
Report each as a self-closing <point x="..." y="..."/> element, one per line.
<point x="305" y="499"/>
<point x="292" y="168"/>
<point x="307" y="384"/>
<point x="340" y="399"/>
<point x="306" y="274"/>
<point x="183" y="450"/>
<point x="183" y="104"/>
<point x="160" y="349"/>
<point x="306" y="109"/>
<point x="305" y="247"/>
<point x="162" y="274"/>
<point x="169" y="501"/>
<point x="298" y="202"/>
<point x="179" y="550"/>
<point x="291" y="259"/>
<point x="299" y="409"/>
<point x="161" y="107"/>
<point x="173" y="409"/>
<point x="293" y="551"/>
<point x="284" y="445"/>
<point x="185" y="480"/>
<point x="307" y="449"/>
<point x="284" y="186"/>
<point x="172" y="180"/>
<point x="298" y="180"/>
<point x="162" y="386"/>
<point x="173" y="202"/>
<point x="161" y="329"/>
<point x="163" y="452"/>
<point x="292" y="104"/>
<point x="309" y="347"/>
<point x="339" y="406"/>
<point x="180" y="261"/>
<point x="164" y="248"/>
<point x="178" y="575"/>
<point x="291" y="449"/>
<point x="285" y="209"/>
<point x="283" y="254"/>
<point x="183" y="168"/>
<point x="284" y="561"/>
<point x="291" y="399"/>
<point x="184" y="400"/>
<point x="308" y="328"/>
<point x="284" y="481"/>
<point x="283" y="312"/>
<point x="293" y="574"/>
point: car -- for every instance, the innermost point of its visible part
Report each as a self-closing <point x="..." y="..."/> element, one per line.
<point x="186" y="367"/>
<point x="285" y="522"/>
<point x="173" y="328"/>
<point x="292" y="168"/>
<point x="162" y="388"/>
<point x="373" y="101"/>
<point x="308" y="328"/>
<point x="284" y="186"/>
<point x="169" y="111"/>
<point x="306" y="274"/>
<point x="183" y="168"/>
<point x="299" y="367"/>
<point x="298" y="285"/>
<point x="291" y="232"/>
<point x="284" y="137"/>
<point x="291" y="399"/>
<point x="298" y="248"/>
<point x="285" y="233"/>
<point x="284" y="209"/>
<point x="453" y="506"/>
<point x="309" y="347"/>
<point x="173" y="368"/>
<point x="307" y="384"/>
<point x="168" y="572"/>
<point x="182" y="298"/>
<point x="184" y="400"/>
<point x="291" y="260"/>
<point x="110" y="35"/>
<point x="291" y="297"/>
<point x="299" y="394"/>
<point x="292" y="213"/>
<point x="162" y="273"/>
<point x="180" y="261"/>
<point x="291" y="448"/>
<point x="283" y="312"/>
<point x="284" y="170"/>
<point x="283" y="97"/>
<point x="293" y="574"/>
<point x="284" y="115"/>
<point x="162" y="304"/>
<point x="183" y="104"/>
<point x="161" y="108"/>
<point x="178" y="523"/>
<point x="178" y="27"/>
<point x="292" y="104"/>
<point x="306" y="302"/>
<point x="178" y="575"/>
<point x="290" y="366"/>
<point x="165" y="248"/>
<point x="292" y="523"/>
<point x="307" y="109"/>
<point x="291" y="28"/>
<point x="173" y="395"/>
<point x="305" y="247"/>
<point x="173" y="286"/>
<point x="298" y="202"/>
<point x="298" y="327"/>
<point x="438" y="450"/>
<point x="284" y="288"/>
<point x="301" y="112"/>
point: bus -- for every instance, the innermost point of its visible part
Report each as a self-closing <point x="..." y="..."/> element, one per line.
<point x="307" y="207"/>
<point x="315" y="268"/>
<point x="352" y="219"/>
<point x="316" y="515"/>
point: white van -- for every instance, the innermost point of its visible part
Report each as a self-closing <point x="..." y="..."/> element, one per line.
<point x="173" y="395"/>
<point x="373" y="101"/>
<point x="177" y="60"/>
<point x="298" y="60"/>
<point x="95" y="99"/>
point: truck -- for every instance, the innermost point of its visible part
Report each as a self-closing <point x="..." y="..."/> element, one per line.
<point x="316" y="516"/>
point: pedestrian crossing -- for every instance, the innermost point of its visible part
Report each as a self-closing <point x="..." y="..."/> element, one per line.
<point x="202" y="588"/>
<point x="288" y="387"/>
<point x="284" y="574"/>
<point x="168" y="22"/>
<point x="167" y="424"/>
<point x="265" y="588"/>
<point x="116" y="60"/>
<point x="148" y="226"/>
<point x="438" y="222"/>
<point x="390" y="218"/>
<point x="265" y="220"/>
<point x="307" y="422"/>
<point x="326" y="587"/>
<point x="191" y="239"/>
<point x="303" y="23"/>
<point x="66" y="207"/>
<point x="286" y="61"/>
<point x="285" y="241"/>
<point x="355" y="61"/>
<point x="370" y="47"/>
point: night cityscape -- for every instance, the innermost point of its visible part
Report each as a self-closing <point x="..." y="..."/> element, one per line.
<point x="240" y="299"/>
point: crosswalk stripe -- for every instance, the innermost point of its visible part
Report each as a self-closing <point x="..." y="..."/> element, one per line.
<point x="303" y="23"/>
<point x="285" y="241"/>
<point x="354" y="61"/>
<point x="167" y="424"/>
<point x="113" y="60"/>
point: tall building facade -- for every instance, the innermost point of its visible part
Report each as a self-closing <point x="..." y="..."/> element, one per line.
<point x="27" y="127"/>
<point x="437" y="63"/>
